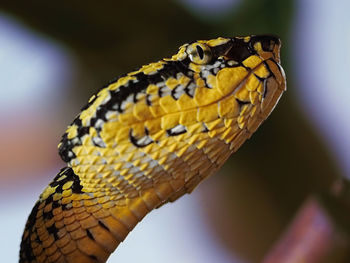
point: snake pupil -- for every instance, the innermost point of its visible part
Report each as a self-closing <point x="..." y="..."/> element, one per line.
<point x="200" y="52"/>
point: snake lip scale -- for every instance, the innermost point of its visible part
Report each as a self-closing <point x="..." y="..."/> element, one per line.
<point x="149" y="137"/>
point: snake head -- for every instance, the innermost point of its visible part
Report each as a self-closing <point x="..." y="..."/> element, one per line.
<point x="210" y="93"/>
<point x="242" y="76"/>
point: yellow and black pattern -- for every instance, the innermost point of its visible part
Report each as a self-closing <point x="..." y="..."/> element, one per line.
<point x="149" y="137"/>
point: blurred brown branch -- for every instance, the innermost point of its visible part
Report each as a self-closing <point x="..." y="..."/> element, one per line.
<point x="320" y="233"/>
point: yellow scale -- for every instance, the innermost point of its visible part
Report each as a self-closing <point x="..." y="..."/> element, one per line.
<point x="147" y="139"/>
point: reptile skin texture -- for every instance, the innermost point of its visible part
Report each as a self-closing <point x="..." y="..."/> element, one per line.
<point x="149" y="137"/>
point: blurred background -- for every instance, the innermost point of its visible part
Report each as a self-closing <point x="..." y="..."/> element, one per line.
<point x="54" y="57"/>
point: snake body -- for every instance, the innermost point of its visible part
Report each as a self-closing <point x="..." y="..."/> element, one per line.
<point x="149" y="137"/>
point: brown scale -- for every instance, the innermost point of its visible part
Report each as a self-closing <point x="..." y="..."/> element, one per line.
<point x="148" y="138"/>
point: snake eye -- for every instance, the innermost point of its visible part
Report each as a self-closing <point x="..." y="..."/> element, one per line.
<point x="199" y="53"/>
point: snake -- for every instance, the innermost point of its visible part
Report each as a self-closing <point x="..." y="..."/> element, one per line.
<point x="147" y="138"/>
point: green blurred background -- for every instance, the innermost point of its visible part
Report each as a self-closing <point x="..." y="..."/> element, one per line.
<point x="53" y="57"/>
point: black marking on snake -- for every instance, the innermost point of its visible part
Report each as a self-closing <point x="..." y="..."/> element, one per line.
<point x="90" y="235"/>
<point x="240" y="50"/>
<point x="141" y="142"/>
<point x="259" y="78"/>
<point x="82" y="130"/>
<point x="201" y="74"/>
<point x="100" y="115"/>
<point x="53" y="230"/>
<point x="222" y="49"/>
<point x="212" y="72"/>
<point x="98" y="142"/>
<point x="103" y="225"/>
<point x="170" y="68"/>
<point x="175" y="92"/>
<point x="48" y="215"/>
<point x="148" y="101"/>
<point x="249" y="69"/>
<point x="92" y="257"/>
<point x="65" y="149"/>
<point x="26" y="252"/>
<point x="66" y="207"/>
<point x="177" y="130"/>
<point x="189" y="92"/>
<point x="56" y="204"/>
<point x="134" y="98"/>
<point x="49" y="199"/>
<point x="32" y="217"/>
<point x="269" y="69"/>
<point x="66" y="146"/>
<point x="160" y="91"/>
<point x="70" y="176"/>
<point x="37" y="239"/>
<point x="207" y="85"/>
<point x="119" y="95"/>
<point x="114" y="103"/>
<point x="265" y="88"/>
<point x="267" y="42"/>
